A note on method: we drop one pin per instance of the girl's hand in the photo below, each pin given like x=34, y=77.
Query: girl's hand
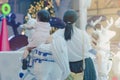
x=27, y=51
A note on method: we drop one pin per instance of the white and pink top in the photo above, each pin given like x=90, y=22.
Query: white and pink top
x=40, y=34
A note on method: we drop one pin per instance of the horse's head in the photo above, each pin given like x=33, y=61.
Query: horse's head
x=30, y=22
x=104, y=33
x=28, y=26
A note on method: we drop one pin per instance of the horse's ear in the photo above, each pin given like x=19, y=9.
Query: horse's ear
x=109, y=23
x=96, y=21
x=102, y=28
x=91, y=23
x=29, y=16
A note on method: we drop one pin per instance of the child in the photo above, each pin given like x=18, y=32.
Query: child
x=47, y=53
x=41, y=31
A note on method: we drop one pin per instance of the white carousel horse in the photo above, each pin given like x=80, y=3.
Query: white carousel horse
x=104, y=44
x=105, y=35
x=50, y=61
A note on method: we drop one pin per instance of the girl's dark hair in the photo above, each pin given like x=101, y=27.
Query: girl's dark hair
x=43, y=15
x=69, y=18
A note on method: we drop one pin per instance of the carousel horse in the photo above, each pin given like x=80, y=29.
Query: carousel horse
x=103, y=44
x=105, y=35
x=46, y=59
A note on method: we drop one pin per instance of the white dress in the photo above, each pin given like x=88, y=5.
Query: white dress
x=78, y=48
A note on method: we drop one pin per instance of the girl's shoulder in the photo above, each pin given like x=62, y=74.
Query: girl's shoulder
x=79, y=31
x=59, y=32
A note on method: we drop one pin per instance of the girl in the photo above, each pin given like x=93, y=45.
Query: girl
x=41, y=31
x=78, y=46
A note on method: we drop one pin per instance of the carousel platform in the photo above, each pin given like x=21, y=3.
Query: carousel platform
x=10, y=64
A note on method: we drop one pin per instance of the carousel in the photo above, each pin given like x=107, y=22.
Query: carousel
x=101, y=15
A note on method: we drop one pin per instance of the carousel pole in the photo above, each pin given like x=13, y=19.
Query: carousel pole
x=83, y=5
x=4, y=43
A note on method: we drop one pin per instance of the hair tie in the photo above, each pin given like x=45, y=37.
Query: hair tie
x=69, y=22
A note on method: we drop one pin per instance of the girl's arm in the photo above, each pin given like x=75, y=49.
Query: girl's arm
x=27, y=51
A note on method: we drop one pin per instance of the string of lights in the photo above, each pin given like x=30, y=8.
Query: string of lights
x=42, y=4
